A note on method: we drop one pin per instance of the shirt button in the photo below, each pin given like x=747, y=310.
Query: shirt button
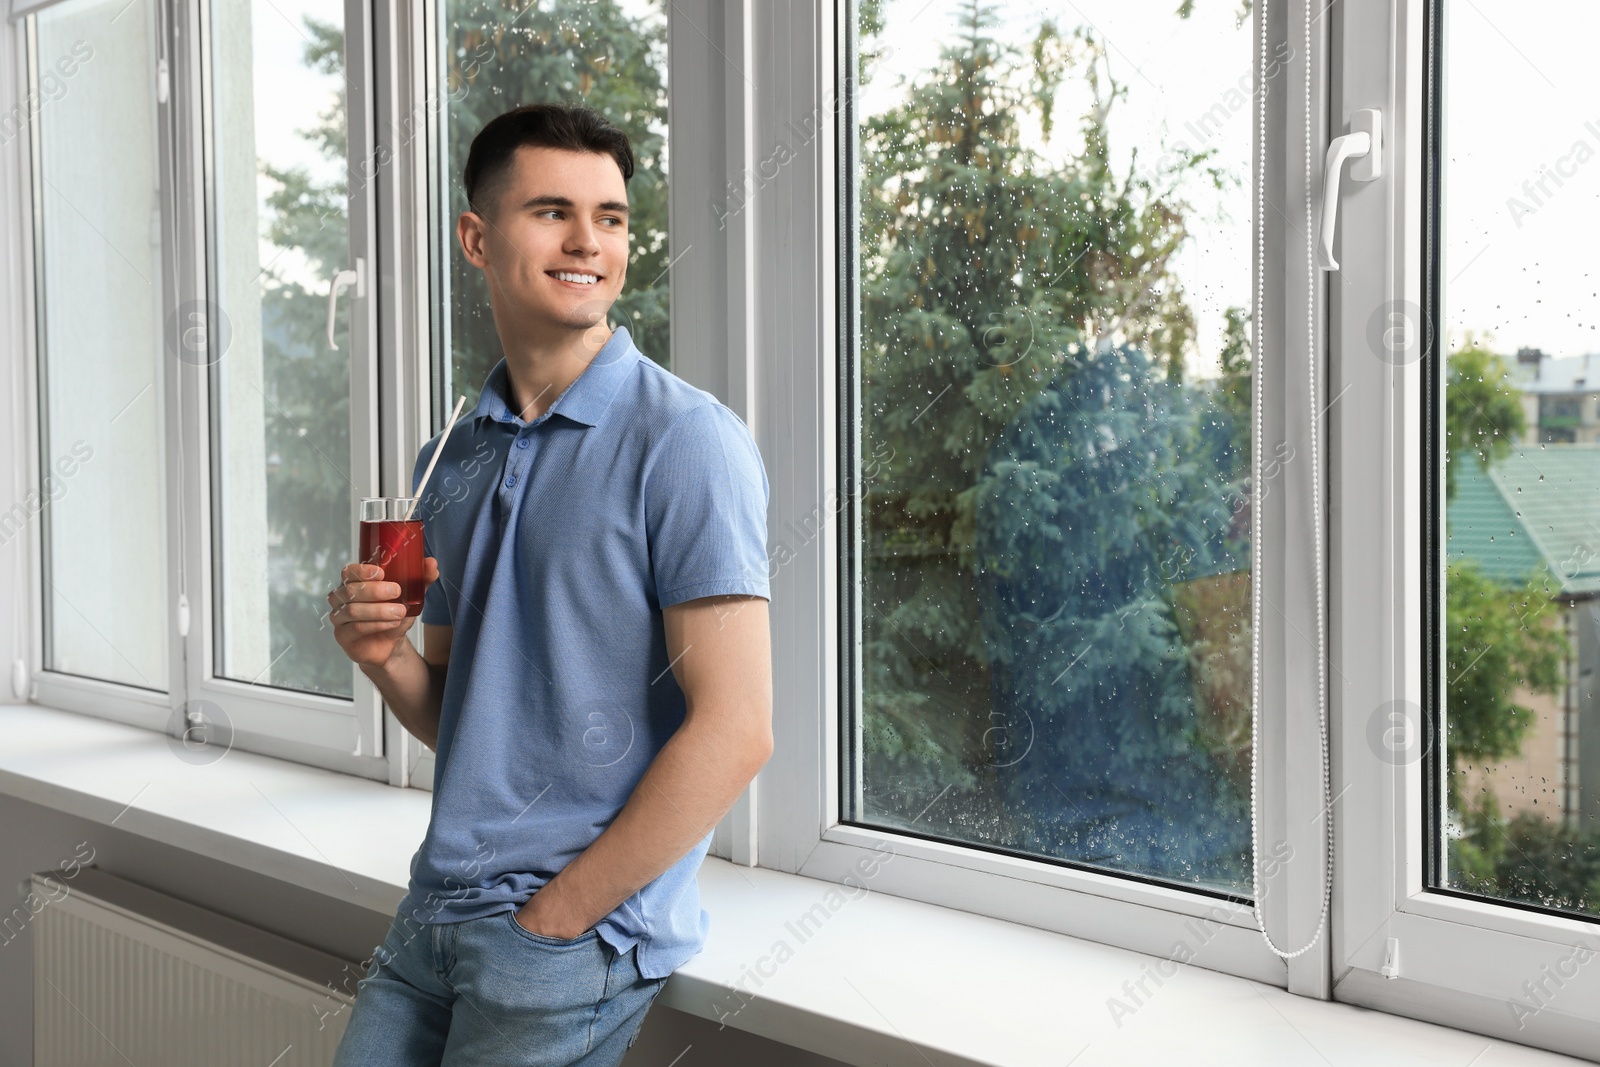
x=511, y=480
x=522, y=442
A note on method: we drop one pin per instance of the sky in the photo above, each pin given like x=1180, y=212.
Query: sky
x=1522, y=102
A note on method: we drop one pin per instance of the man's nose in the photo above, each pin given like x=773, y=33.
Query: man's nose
x=582, y=238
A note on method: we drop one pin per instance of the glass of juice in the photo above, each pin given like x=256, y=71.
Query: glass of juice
x=393, y=542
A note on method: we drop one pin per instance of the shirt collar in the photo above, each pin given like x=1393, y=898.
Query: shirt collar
x=585, y=400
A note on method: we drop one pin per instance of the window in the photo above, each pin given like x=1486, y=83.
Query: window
x=202, y=428
x=282, y=401
x=102, y=477
x=1460, y=470
x=1051, y=527
x=240, y=283
x=960, y=262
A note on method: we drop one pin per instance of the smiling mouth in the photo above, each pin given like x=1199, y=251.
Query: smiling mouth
x=574, y=277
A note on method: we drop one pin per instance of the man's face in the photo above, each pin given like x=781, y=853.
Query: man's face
x=554, y=245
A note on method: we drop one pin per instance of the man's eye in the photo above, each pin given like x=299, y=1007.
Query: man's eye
x=550, y=211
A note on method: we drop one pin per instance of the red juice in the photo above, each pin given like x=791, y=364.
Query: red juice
x=397, y=548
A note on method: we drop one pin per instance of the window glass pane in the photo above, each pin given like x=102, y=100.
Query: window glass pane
x=100, y=311
x=610, y=55
x=1515, y=301
x=1053, y=367
x=280, y=455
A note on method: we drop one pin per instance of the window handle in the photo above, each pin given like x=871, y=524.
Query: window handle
x=1364, y=144
x=358, y=278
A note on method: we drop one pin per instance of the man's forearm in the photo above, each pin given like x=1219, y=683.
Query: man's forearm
x=414, y=690
x=684, y=793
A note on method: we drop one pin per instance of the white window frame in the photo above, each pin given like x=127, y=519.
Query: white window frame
x=794, y=55
x=1460, y=961
x=409, y=101
x=130, y=704
x=343, y=735
x=355, y=736
x=710, y=92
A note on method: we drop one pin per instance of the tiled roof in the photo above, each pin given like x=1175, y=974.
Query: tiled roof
x=1538, y=504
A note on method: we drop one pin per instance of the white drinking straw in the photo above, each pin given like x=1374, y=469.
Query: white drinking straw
x=417, y=496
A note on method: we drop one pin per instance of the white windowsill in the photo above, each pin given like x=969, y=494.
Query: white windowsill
x=874, y=979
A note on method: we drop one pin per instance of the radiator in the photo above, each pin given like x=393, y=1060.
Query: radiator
x=123, y=974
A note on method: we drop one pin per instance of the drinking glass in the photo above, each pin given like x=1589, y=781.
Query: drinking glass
x=393, y=542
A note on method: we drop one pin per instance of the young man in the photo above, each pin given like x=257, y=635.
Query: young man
x=596, y=673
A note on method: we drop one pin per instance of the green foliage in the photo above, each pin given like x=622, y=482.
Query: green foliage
x=990, y=276
x=501, y=54
x=1476, y=854
x=1496, y=641
x=1103, y=504
x=869, y=23
x=1530, y=859
x=1235, y=383
x=1186, y=9
x=1482, y=410
x=983, y=263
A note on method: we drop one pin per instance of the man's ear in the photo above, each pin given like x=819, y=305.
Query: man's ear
x=471, y=229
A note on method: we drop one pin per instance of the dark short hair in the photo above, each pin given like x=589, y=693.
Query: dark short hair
x=574, y=128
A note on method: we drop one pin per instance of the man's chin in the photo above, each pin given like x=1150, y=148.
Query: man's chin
x=585, y=316
x=579, y=317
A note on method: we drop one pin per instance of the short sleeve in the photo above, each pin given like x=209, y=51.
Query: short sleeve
x=705, y=498
x=435, y=607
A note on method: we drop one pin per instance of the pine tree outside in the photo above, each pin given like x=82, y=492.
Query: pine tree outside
x=1055, y=585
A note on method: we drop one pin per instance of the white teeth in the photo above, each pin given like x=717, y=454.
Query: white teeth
x=581, y=279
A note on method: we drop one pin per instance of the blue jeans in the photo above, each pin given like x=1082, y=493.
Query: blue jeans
x=486, y=991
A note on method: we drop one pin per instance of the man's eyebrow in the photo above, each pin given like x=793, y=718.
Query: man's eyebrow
x=552, y=200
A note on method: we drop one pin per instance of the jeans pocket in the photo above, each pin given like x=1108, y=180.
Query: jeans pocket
x=543, y=939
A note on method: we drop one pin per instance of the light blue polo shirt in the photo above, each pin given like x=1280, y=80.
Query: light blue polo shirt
x=559, y=541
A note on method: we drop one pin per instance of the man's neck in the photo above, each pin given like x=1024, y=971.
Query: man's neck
x=539, y=369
